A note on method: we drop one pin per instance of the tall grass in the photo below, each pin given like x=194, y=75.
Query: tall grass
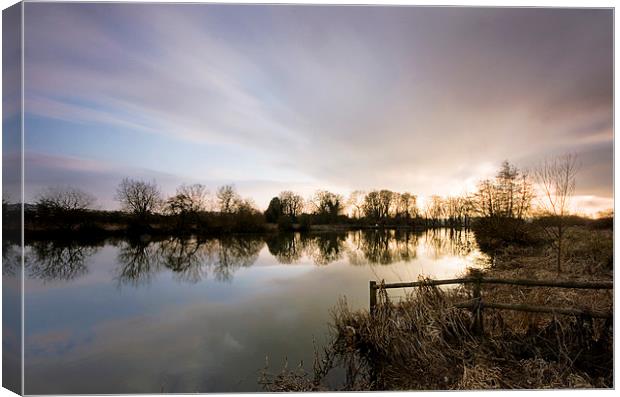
x=424, y=343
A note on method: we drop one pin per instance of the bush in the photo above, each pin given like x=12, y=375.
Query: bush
x=304, y=222
x=602, y=223
x=493, y=233
x=285, y=223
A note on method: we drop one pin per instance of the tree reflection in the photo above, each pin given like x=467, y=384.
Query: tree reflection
x=452, y=242
x=58, y=260
x=363, y=247
x=235, y=253
x=11, y=258
x=193, y=259
x=287, y=248
x=406, y=245
x=189, y=259
x=326, y=248
x=386, y=247
x=462, y=242
x=322, y=249
x=138, y=262
x=383, y=247
x=376, y=247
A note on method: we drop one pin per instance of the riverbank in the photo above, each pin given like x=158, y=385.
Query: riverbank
x=101, y=230
x=424, y=343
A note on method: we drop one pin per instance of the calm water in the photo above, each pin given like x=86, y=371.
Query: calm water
x=202, y=315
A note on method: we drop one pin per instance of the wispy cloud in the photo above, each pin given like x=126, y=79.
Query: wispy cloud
x=102, y=178
x=419, y=99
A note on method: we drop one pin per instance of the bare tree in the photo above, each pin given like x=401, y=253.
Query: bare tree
x=246, y=206
x=526, y=194
x=189, y=199
x=556, y=178
x=386, y=198
x=485, y=200
x=65, y=198
x=327, y=205
x=197, y=193
x=227, y=198
x=406, y=205
x=372, y=205
x=377, y=204
x=435, y=210
x=139, y=197
x=292, y=204
x=453, y=210
x=469, y=209
x=356, y=203
x=506, y=189
x=507, y=196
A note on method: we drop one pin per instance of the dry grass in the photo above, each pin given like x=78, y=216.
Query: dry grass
x=588, y=256
x=424, y=343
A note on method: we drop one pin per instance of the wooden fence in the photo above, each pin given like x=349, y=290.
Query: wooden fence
x=476, y=304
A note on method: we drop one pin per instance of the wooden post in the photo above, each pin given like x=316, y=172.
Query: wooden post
x=478, y=325
x=373, y=296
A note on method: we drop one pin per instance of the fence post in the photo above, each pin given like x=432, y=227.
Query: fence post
x=478, y=324
x=373, y=296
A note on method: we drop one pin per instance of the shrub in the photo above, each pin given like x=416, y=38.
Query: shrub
x=493, y=233
x=304, y=222
x=285, y=223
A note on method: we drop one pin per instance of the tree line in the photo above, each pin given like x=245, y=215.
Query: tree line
x=509, y=195
x=501, y=206
x=191, y=259
x=510, y=207
x=143, y=199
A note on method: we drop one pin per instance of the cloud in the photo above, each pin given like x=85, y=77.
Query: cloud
x=102, y=178
x=97, y=177
x=590, y=205
x=418, y=99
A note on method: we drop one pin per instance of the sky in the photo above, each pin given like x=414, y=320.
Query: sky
x=271, y=98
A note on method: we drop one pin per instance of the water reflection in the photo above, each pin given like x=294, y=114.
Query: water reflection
x=58, y=260
x=235, y=253
x=137, y=261
x=213, y=309
x=190, y=259
x=359, y=247
x=326, y=248
x=11, y=258
x=286, y=248
x=449, y=242
x=383, y=248
x=194, y=259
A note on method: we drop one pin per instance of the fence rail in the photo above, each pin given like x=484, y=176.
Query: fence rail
x=476, y=305
x=483, y=280
x=568, y=311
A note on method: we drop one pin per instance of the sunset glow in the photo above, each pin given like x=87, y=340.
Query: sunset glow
x=425, y=100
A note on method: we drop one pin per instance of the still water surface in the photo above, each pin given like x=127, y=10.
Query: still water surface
x=188, y=315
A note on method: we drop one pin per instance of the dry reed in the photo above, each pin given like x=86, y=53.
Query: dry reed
x=424, y=343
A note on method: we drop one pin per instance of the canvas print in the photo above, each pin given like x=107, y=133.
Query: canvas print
x=214, y=198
